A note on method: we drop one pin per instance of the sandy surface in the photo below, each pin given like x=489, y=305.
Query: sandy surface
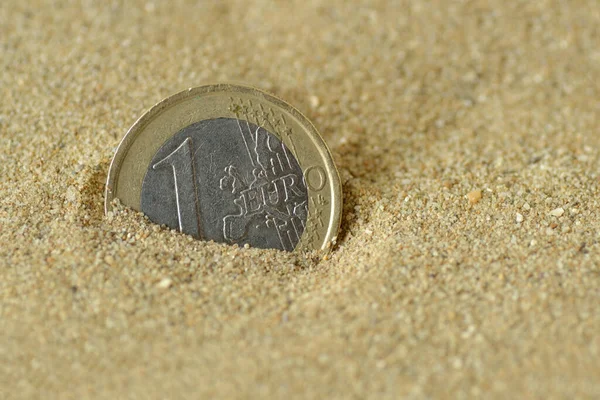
x=434, y=290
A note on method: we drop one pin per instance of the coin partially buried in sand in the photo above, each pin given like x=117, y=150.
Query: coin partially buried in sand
x=231, y=164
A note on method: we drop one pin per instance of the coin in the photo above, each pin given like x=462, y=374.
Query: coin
x=230, y=163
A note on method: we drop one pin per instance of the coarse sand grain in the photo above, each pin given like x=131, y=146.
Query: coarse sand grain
x=424, y=295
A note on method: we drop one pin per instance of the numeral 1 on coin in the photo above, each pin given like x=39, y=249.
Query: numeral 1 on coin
x=182, y=163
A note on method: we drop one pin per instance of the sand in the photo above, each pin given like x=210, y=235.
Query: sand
x=431, y=292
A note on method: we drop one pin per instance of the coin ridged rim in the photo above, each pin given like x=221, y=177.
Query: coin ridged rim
x=138, y=127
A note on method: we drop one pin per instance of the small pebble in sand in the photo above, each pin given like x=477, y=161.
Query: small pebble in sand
x=557, y=212
x=519, y=218
x=314, y=101
x=474, y=196
x=165, y=283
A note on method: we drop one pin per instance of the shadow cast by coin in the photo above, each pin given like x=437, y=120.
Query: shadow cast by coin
x=84, y=197
x=359, y=170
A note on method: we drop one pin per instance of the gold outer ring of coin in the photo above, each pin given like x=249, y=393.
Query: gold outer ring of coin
x=161, y=122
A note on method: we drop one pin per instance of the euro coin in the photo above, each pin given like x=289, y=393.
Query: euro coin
x=232, y=164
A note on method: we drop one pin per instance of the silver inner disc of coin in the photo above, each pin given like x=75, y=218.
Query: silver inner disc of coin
x=227, y=180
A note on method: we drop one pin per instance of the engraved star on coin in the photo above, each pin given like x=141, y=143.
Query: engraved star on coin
x=231, y=164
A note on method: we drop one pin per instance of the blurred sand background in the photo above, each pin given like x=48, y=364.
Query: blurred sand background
x=429, y=293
